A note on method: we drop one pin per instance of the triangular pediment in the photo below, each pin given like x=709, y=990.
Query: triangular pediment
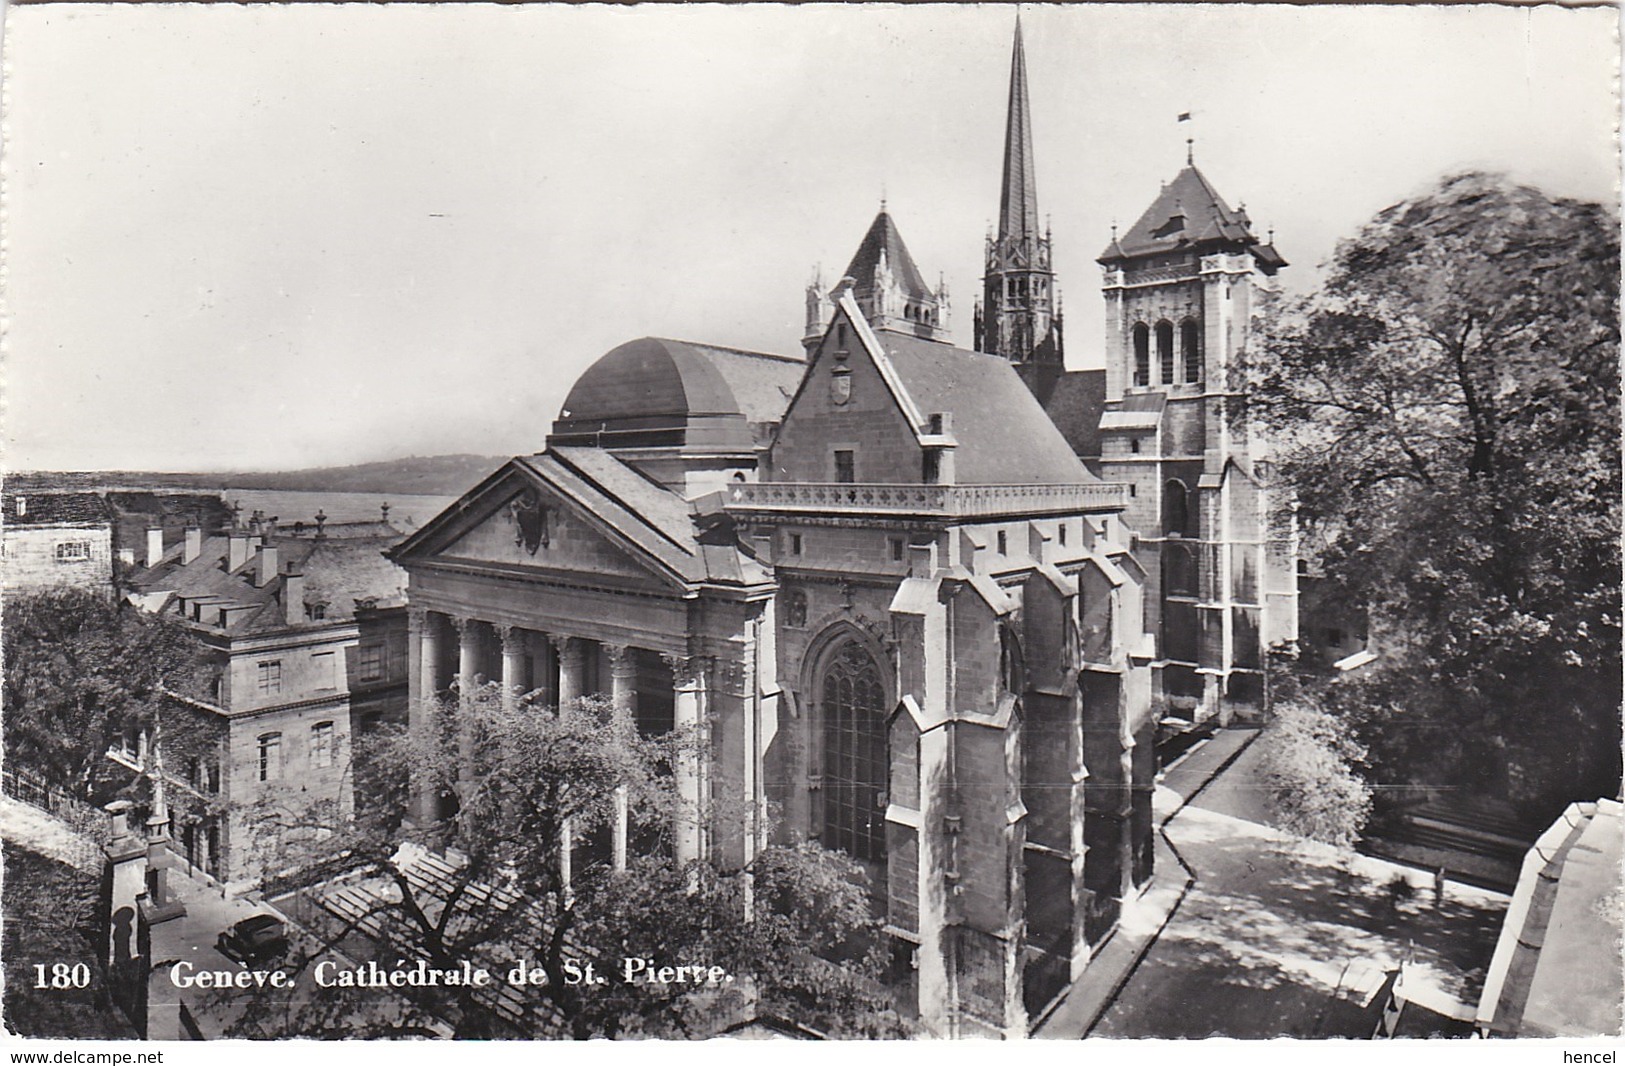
x=518, y=519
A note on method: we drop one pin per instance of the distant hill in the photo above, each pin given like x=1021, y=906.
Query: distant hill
x=428, y=475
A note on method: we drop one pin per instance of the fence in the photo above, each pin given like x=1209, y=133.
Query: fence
x=30, y=788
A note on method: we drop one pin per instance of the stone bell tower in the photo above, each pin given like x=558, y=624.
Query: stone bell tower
x=1220, y=551
x=1019, y=314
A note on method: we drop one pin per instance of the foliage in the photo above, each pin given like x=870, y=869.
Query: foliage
x=48, y=909
x=1310, y=760
x=1447, y=412
x=512, y=778
x=81, y=670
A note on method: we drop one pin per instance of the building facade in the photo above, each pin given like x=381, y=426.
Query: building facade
x=1165, y=417
x=1219, y=548
x=56, y=540
x=926, y=603
x=302, y=644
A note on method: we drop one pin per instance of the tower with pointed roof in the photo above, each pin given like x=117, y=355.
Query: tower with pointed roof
x=888, y=288
x=1019, y=316
x=1181, y=286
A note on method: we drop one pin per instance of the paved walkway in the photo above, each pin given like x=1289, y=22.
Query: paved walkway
x=1279, y=936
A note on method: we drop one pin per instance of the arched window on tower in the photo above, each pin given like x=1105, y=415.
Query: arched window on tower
x=852, y=702
x=1175, y=509
x=1165, y=351
x=1190, y=345
x=1142, y=354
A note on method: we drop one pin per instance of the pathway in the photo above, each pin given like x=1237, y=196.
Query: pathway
x=1279, y=936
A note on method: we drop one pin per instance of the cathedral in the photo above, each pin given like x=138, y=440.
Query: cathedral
x=932, y=606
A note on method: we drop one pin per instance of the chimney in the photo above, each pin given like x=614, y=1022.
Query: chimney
x=155, y=546
x=237, y=555
x=939, y=452
x=22, y=506
x=293, y=595
x=264, y=565
x=194, y=545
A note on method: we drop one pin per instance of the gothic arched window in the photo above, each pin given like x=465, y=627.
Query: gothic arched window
x=852, y=701
x=1175, y=509
x=1165, y=351
x=1142, y=354
x=1178, y=571
x=1190, y=345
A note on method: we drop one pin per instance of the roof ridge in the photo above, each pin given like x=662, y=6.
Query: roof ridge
x=625, y=504
x=731, y=350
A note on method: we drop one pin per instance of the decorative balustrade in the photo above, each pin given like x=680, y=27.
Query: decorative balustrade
x=957, y=501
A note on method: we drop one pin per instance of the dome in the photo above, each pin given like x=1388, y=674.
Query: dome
x=658, y=393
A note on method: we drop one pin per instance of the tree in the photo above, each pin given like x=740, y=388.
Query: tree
x=793, y=928
x=1447, y=412
x=1311, y=760
x=81, y=670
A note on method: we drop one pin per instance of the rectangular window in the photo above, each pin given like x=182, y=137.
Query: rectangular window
x=270, y=677
x=321, y=745
x=845, y=468
x=1004, y=544
x=371, y=665
x=73, y=551
x=795, y=544
x=323, y=670
x=270, y=757
x=1061, y=532
x=897, y=549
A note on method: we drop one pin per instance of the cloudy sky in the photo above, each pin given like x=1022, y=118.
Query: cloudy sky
x=260, y=237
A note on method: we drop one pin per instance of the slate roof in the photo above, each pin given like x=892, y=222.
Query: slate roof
x=762, y=384
x=1074, y=404
x=657, y=522
x=55, y=508
x=1004, y=437
x=1189, y=212
x=883, y=237
x=655, y=391
x=337, y=572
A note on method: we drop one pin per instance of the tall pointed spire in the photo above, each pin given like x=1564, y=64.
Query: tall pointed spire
x=1018, y=203
x=1018, y=317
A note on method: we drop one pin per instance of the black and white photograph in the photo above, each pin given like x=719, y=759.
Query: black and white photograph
x=886, y=522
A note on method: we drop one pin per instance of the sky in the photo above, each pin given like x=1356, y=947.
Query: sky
x=271, y=237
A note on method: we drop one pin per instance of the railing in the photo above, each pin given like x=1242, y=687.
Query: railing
x=35, y=791
x=959, y=501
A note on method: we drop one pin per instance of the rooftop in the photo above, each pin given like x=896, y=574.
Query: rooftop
x=1189, y=213
x=54, y=508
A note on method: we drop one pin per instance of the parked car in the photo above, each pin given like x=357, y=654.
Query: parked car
x=256, y=939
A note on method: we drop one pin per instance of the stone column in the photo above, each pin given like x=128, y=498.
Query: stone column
x=513, y=664
x=688, y=684
x=623, y=666
x=423, y=629
x=467, y=667
x=572, y=660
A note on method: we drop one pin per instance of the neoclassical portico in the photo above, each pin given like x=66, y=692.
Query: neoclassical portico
x=544, y=581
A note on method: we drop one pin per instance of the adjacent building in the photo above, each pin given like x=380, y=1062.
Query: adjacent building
x=55, y=540
x=302, y=636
